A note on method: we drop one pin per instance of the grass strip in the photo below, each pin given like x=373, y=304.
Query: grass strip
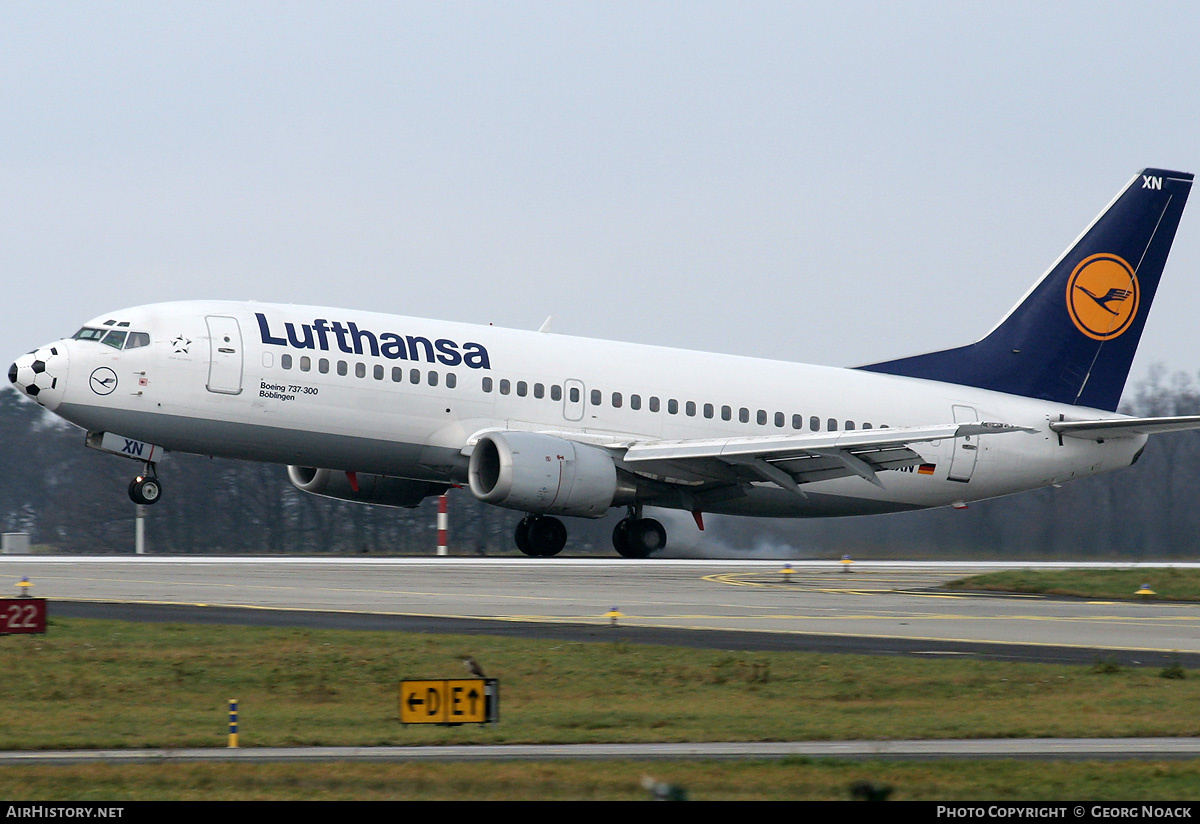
x=109, y=684
x=1168, y=584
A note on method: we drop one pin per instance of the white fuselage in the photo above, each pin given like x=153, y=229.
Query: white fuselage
x=403, y=397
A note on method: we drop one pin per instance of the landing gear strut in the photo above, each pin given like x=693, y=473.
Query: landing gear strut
x=637, y=537
x=145, y=488
x=541, y=536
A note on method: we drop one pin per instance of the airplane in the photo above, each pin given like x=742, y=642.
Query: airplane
x=383, y=409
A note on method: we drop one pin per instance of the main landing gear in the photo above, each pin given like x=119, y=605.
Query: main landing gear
x=145, y=488
x=637, y=537
x=544, y=536
x=541, y=536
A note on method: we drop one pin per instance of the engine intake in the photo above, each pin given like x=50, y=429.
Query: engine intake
x=544, y=475
x=372, y=489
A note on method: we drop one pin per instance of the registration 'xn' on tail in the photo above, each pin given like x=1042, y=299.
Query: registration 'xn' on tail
x=1073, y=336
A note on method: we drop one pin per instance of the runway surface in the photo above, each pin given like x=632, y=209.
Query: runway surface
x=888, y=607
x=875, y=607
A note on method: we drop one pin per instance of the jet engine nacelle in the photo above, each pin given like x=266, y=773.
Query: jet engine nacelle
x=372, y=489
x=544, y=475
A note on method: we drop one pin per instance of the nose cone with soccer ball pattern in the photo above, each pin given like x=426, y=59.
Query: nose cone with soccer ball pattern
x=42, y=374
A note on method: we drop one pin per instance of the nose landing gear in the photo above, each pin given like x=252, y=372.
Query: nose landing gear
x=145, y=488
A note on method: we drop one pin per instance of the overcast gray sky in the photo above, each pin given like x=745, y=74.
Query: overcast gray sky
x=834, y=183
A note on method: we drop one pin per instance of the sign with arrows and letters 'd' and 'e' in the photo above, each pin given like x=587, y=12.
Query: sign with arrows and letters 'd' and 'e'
x=452, y=701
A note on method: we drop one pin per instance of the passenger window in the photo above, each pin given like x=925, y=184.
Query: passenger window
x=487, y=384
x=849, y=425
x=414, y=377
x=305, y=363
x=323, y=366
x=867, y=426
x=673, y=406
x=378, y=372
x=596, y=398
x=505, y=386
x=433, y=378
x=833, y=424
x=708, y=410
x=397, y=374
x=360, y=370
x=814, y=423
x=136, y=340
x=522, y=389
x=342, y=368
x=285, y=361
x=761, y=417
x=690, y=409
x=539, y=391
x=635, y=401
x=654, y=403
x=555, y=392
x=797, y=422
x=616, y=400
x=726, y=413
x=451, y=380
x=574, y=394
x=744, y=415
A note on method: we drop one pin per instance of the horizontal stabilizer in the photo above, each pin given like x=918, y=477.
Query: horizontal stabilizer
x=1124, y=427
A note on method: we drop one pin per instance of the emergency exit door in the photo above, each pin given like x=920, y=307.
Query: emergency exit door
x=966, y=449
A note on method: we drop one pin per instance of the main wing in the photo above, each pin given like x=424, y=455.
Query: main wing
x=792, y=460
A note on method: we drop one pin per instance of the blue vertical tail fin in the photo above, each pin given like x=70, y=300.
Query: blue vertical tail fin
x=1072, y=338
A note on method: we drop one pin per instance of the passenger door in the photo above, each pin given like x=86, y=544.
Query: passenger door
x=225, y=355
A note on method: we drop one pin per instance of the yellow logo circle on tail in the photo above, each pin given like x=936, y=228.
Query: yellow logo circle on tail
x=1102, y=296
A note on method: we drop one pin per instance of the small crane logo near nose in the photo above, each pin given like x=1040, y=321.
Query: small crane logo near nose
x=103, y=381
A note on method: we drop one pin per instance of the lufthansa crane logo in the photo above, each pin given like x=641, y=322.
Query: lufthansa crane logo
x=1103, y=296
x=103, y=381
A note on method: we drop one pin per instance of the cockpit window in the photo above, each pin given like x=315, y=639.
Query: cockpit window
x=114, y=339
x=117, y=339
